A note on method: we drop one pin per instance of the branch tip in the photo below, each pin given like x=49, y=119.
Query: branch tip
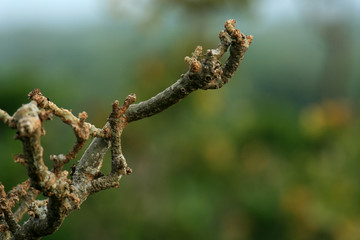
x=194, y=63
x=115, y=105
x=34, y=93
x=250, y=38
x=230, y=25
x=130, y=99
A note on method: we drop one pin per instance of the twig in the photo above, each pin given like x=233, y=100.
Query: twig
x=25, y=203
x=67, y=117
x=82, y=129
x=17, y=193
x=204, y=73
x=28, y=123
x=103, y=183
x=118, y=162
x=117, y=124
x=64, y=194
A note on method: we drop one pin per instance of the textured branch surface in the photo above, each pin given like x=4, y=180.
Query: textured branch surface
x=66, y=192
x=5, y=117
x=205, y=72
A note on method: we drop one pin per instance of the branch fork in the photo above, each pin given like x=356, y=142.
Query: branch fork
x=117, y=121
x=66, y=192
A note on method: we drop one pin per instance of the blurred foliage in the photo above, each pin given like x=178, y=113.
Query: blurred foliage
x=272, y=155
x=195, y=6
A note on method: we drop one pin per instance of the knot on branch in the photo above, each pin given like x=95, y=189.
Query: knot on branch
x=37, y=209
x=128, y=171
x=204, y=69
x=37, y=96
x=72, y=196
x=81, y=129
x=26, y=120
x=105, y=132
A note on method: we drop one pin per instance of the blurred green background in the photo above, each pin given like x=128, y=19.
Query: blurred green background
x=272, y=155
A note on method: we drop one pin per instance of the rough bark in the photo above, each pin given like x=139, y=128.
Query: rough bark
x=66, y=192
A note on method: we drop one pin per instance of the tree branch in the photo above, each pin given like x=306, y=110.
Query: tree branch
x=8, y=220
x=25, y=203
x=5, y=209
x=67, y=117
x=117, y=124
x=205, y=72
x=28, y=123
x=82, y=129
x=67, y=194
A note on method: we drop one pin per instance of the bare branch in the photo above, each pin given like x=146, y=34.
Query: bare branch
x=67, y=194
x=82, y=129
x=199, y=76
x=117, y=124
x=47, y=218
x=7, y=202
x=66, y=116
x=18, y=192
x=118, y=162
x=205, y=72
x=103, y=183
x=239, y=46
x=28, y=123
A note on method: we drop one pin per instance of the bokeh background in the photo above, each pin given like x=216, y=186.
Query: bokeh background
x=272, y=155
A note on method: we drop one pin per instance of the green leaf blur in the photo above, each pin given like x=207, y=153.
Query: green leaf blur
x=272, y=155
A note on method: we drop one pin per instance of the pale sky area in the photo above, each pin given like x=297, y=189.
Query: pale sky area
x=15, y=13
x=45, y=12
